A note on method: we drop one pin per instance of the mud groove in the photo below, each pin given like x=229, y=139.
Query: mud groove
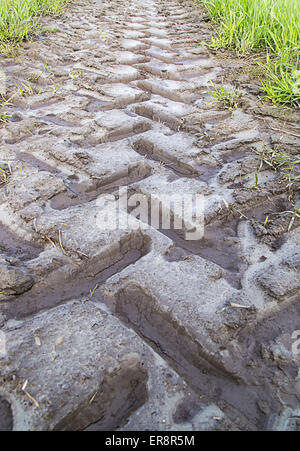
x=6, y=417
x=78, y=281
x=13, y=246
x=79, y=194
x=196, y=364
x=144, y=148
x=133, y=303
x=120, y=98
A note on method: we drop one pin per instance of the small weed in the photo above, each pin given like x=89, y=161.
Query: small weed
x=92, y=292
x=76, y=74
x=267, y=222
x=4, y=175
x=55, y=87
x=24, y=90
x=34, y=131
x=34, y=77
x=293, y=214
x=47, y=69
x=280, y=161
x=228, y=98
x=49, y=30
x=9, y=50
x=5, y=116
x=103, y=34
x=255, y=185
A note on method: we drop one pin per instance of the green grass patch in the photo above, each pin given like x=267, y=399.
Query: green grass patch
x=19, y=19
x=272, y=26
x=49, y=30
x=228, y=98
x=3, y=177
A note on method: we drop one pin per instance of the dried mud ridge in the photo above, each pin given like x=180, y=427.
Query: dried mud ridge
x=140, y=329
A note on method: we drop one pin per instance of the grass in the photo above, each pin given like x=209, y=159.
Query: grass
x=278, y=160
x=49, y=30
x=268, y=26
x=4, y=175
x=19, y=19
x=23, y=90
x=4, y=114
x=293, y=215
x=228, y=98
x=288, y=169
x=75, y=74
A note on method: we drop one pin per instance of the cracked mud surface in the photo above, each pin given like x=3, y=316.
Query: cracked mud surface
x=140, y=329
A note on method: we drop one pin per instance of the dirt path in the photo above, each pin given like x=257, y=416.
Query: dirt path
x=139, y=328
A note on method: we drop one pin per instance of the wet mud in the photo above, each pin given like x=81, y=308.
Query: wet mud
x=120, y=98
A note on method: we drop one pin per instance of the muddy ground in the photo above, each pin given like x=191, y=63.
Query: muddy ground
x=138, y=328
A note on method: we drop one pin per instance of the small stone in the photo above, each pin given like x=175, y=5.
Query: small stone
x=14, y=280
